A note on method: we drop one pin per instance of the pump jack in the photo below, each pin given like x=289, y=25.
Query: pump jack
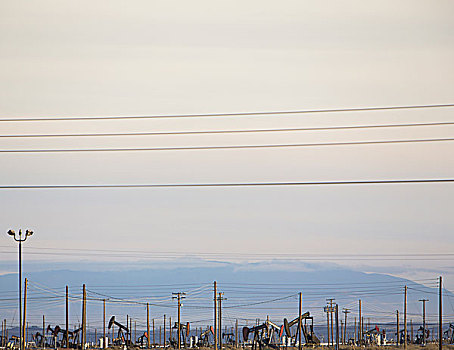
x=263, y=334
x=204, y=340
x=184, y=332
x=142, y=340
x=122, y=335
x=309, y=335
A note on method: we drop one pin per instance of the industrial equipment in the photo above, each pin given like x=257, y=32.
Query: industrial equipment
x=122, y=335
x=307, y=330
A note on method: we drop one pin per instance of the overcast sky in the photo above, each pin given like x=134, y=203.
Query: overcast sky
x=85, y=58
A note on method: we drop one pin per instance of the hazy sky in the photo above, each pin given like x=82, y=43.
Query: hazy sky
x=65, y=58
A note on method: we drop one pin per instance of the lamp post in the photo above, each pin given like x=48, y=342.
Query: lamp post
x=20, y=240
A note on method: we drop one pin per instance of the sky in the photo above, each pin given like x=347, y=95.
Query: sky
x=117, y=58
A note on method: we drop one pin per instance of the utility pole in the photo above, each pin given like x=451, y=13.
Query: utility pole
x=44, y=332
x=220, y=299
x=405, y=317
x=215, y=318
x=424, y=320
x=104, y=323
x=330, y=309
x=236, y=333
x=148, y=326
x=154, y=339
x=327, y=324
x=300, y=321
x=84, y=317
x=67, y=318
x=397, y=327
x=345, y=311
x=165, y=331
x=179, y=296
x=360, y=335
x=170, y=329
x=25, y=314
x=440, y=314
x=337, y=327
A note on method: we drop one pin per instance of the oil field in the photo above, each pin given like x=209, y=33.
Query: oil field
x=227, y=174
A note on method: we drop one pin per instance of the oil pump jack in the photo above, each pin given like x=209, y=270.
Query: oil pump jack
x=122, y=335
x=309, y=335
x=142, y=340
x=184, y=333
x=204, y=340
x=54, y=332
x=263, y=334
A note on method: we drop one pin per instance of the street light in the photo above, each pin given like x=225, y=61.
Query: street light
x=20, y=240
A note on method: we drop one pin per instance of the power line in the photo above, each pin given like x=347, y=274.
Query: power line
x=201, y=148
x=232, y=184
x=236, y=114
x=209, y=132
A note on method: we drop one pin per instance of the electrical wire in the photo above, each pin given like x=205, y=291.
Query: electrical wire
x=235, y=114
x=209, y=132
x=237, y=184
x=202, y=148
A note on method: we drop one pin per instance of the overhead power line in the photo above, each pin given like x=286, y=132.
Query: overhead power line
x=200, y=148
x=235, y=114
x=242, y=131
x=238, y=184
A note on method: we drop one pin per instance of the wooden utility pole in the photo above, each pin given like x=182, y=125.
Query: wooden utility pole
x=440, y=314
x=160, y=342
x=154, y=339
x=337, y=327
x=25, y=315
x=84, y=316
x=215, y=317
x=327, y=324
x=405, y=317
x=104, y=324
x=164, y=331
x=44, y=332
x=345, y=311
x=236, y=333
x=179, y=296
x=300, y=320
x=397, y=327
x=148, y=326
x=220, y=299
x=170, y=329
x=360, y=335
x=424, y=320
x=67, y=317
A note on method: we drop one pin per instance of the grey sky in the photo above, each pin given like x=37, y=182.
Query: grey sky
x=163, y=57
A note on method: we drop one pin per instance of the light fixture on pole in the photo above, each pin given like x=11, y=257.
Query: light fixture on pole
x=20, y=240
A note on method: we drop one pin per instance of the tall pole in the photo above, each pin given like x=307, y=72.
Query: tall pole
x=44, y=333
x=178, y=296
x=360, y=336
x=104, y=324
x=330, y=312
x=337, y=327
x=20, y=291
x=148, y=326
x=405, y=317
x=164, y=331
x=67, y=317
x=440, y=314
x=84, y=317
x=25, y=314
x=397, y=327
x=236, y=333
x=345, y=311
x=215, y=318
x=154, y=340
x=221, y=297
x=300, y=320
x=423, y=320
